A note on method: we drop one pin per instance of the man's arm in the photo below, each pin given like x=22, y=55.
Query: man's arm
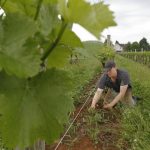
x=121, y=94
x=96, y=97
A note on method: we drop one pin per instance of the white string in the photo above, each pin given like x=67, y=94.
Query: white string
x=73, y=120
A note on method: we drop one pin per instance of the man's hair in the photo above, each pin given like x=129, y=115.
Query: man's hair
x=109, y=64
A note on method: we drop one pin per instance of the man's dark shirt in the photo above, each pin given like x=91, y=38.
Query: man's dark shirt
x=122, y=79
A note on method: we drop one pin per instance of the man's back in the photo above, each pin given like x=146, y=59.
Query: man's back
x=121, y=79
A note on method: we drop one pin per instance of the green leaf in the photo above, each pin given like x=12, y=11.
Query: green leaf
x=26, y=7
x=94, y=18
x=48, y=19
x=59, y=57
x=70, y=39
x=17, y=56
x=50, y=1
x=34, y=109
x=90, y=49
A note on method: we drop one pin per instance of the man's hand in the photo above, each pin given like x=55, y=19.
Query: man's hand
x=108, y=106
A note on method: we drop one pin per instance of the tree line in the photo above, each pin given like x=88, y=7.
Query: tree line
x=142, y=45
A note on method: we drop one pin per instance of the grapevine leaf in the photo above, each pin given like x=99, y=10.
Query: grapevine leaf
x=94, y=17
x=71, y=39
x=59, y=57
x=37, y=111
x=26, y=7
x=48, y=19
x=16, y=55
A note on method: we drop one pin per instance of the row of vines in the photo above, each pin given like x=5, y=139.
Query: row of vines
x=141, y=57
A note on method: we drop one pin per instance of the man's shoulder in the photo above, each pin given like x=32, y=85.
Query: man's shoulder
x=103, y=81
x=104, y=76
x=122, y=72
x=123, y=75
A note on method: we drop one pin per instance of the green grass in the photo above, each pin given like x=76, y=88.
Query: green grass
x=137, y=71
x=136, y=121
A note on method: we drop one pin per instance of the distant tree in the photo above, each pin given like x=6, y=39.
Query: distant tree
x=135, y=46
x=127, y=47
x=144, y=44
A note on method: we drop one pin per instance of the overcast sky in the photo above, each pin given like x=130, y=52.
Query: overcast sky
x=132, y=17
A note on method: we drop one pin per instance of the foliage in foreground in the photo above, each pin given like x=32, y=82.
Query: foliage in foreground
x=35, y=36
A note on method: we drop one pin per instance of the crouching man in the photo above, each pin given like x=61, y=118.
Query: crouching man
x=117, y=82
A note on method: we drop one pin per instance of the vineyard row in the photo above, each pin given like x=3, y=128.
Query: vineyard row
x=141, y=57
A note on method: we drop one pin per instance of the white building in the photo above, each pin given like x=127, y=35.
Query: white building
x=118, y=47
